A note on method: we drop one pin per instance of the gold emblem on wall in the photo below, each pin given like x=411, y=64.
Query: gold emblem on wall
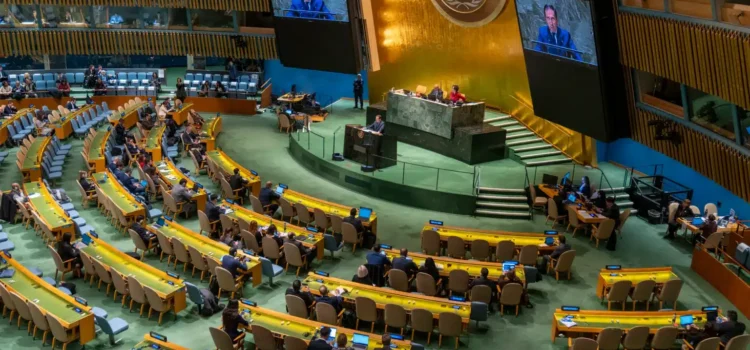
x=470, y=13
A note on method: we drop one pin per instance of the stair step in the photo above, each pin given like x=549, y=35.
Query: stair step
x=539, y=155
x=620, y=195
x=506, y=123
x=618, y=189
x=624, y=204
x=532, y=148
x=507, y=198
x=496, y=205
x=523, y=142
x=518, y=135
x=501, y=190
x=503, y=213
x=515, y=128
x=497, y=119
x=548, y=162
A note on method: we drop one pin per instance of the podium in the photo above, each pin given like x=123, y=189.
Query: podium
x=367, y=148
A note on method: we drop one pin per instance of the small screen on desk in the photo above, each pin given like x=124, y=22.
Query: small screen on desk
x=436, y=222
x=385, y=246
x=82, y=301
x=572, y=198
x=571, y=308
x=613, y=267
x=686, y=320
x=455, y=298
x=550, y=232
x=158, y=336
x=279, y=190
x=365, y=213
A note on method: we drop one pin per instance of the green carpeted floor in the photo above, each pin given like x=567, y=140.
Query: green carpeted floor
x=254, y=141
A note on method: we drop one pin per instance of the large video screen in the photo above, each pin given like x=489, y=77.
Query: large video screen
x=326, y=10
x=562, y=28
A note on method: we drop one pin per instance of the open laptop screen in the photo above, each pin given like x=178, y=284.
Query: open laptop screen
x=365, y=213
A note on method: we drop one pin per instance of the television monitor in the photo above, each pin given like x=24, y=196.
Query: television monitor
x=322, y=10
x=548, y=179
x=365, y=213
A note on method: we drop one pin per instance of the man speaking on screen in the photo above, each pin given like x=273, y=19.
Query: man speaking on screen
x=555, y=40
x=310, y=9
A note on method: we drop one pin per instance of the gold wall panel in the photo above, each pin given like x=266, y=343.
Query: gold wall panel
x=239, y=5
x=710, y=59
x=418, y=46
x=73, y=42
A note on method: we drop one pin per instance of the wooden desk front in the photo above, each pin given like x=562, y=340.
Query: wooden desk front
x=493, y=237
x=382, y=296
x=312, y=239
x=209, y=248
x=149, y=342
x=42, y=202
x=283, y=325
x=180, y=116
x=329, y=208
x=723, y=279
x=226, y=165
x=167, y=287
x=445, y=265
x=210, y=132
x=153, y=142
x=98, y=144
x=74, y=316
x=63, y=129
x=636, y=275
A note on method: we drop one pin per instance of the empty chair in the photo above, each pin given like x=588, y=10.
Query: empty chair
x=618, y=293
x=205, y=224
x=59, y=333
x=227, y=282
x=430, y=242
x=573, y=221
x=303, y=214
x=708, y=344
x=563, y=264
x=664, y=338
x=609, y=339
x=553, y=214
x=264, y=339
x=196, y=259
x=511, y=296
x=294, y=257
x=398, y=280
x=103, y=275
x=366, y=311
x=223, y=341
x=394, y=316
x=271, y=249
x=422, y=321
x=350, y=235
x=40, y=322
x=294, y=343
x=536, y=201
x=326, y=313
x=180, y=253
x=528, y=255
x=449, y=324
x=669, y=293
x=23, y=311
x=330, y=244
x=137, y=294
x=480, y=250
x=121, y=285
x=111, y=327
x=623, y=218
x=740, y=342
x=258, y=207
x=321, y=219
x=505, y=251
x=426, y=284
x=456, y=248
x=584, y=343
x=270, y=270
x=158, y=304
x=458, y=281
x=7, y=302
x=636, y=338
x=642, y=292
x=603, y=231
x=710, y=208
x=287, y=212
x=296, y=306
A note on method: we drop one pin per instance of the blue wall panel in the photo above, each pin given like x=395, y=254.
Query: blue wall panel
x=328, y=86
x=633, y=154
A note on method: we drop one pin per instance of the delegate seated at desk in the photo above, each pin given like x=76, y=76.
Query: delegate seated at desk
x=296, y=290
x=378, y=127
x=455, y=96
x=310, y=9
x=232, y=264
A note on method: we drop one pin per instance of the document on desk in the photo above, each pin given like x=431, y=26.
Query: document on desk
x=34, y=195
x=568, y=324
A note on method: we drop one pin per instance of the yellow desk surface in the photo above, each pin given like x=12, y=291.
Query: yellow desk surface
x=288, y=97
x=688, y=223
x=208, y=247
x=153, y=142
x=180, y=116
x=51, y=300
x=171, y=175
x=282, y=325
x=149, y=341
x=32, y=164
x=211, y=130
x=493, y=237
x=446, y=265
x=383, y=296
x=227, y=165
x=659, y=274
x=119, y=195
x=48, y=209
x=329, y=208
x=4, y=127
x=282, y=227
x=593, y=322
x=130, y=114
x=146, y=274
x=96, y=150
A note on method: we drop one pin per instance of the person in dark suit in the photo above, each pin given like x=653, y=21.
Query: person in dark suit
x=708, y=228
x=430, y=268
x=729, y=328
x=231, y=319
x=68, y=251
x=558, y=39
x=232, y=264
x=510, y=277
x=599, y=199
x=146, y=236
x=213, y=209
x=436, y=93
x=71, y=105
x=321, y=342
x=375, y=257
x=386, y=341
x=585, y=188
x=683, y=211
x=354, y=220
x=296, y=289
x=362, y=276
x=271, y=232
x=83, y=179
x=378, y=126
x=405, y=264
x=334, y=301
x=268, y=195
x=305, y=252
x=237, y=182
x=10, y=109
x=561, y=248
x=359, y=89
x=309, y=9
x=484, y=280
x=612, y=211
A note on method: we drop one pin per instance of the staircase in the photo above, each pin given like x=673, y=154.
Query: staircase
x=502, y=203
x=525, y=147
x=622, y=199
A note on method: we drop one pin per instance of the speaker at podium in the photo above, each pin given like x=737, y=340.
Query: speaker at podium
x=367, y=148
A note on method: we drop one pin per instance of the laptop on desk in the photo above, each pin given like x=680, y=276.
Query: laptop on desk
x=360, y=341
x=365, y=213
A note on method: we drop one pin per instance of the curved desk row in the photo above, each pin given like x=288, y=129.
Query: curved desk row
x=226, y=166
x=94, y=153
x=31, y=165
x=493, y=237
x=118, y=195
x=210, y=132
x=607, y=278
x=329, y=208
x=151, y=342
x=128, y=112
x=4, y=133
x=47, y=208
x=171, y=175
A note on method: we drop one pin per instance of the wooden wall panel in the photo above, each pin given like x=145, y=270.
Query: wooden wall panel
x=238, y=5
x=713, y=60
x=62, y=42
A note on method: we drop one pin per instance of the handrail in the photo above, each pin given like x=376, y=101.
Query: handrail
x=477, y=179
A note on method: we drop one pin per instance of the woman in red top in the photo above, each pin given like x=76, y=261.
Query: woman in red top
x=64, y=87
x=455, y=95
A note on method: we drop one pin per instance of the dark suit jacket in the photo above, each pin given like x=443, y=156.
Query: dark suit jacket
x=306, y=296
x=585, y=190
x=233, y=265
x=728, y=330
x=613, y=213
x=405, y=265
x=67, y=251
x=562, y=248
x=435, y=274
x=319, y=344
x=298, y=244
x=366, y=280
x=213, y=211
x=484, y=282
x=232, y=323
x=356, y=222
x=561, y=38
x=267, y=195
x=71, y=106
x=334, y=301
x=374, y=258
x=237, y=182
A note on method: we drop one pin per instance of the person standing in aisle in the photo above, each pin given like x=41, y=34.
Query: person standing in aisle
x=359, y=88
